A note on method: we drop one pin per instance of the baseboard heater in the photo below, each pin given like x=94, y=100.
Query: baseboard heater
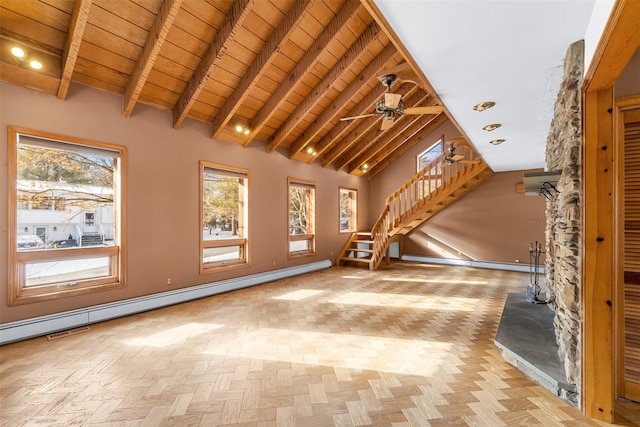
x=43, y=325
x=491, y=265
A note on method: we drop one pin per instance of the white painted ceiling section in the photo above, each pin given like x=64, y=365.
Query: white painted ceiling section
x=507, y=51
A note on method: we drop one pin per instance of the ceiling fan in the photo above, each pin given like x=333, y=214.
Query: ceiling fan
x=391, y=105
x=451, y=157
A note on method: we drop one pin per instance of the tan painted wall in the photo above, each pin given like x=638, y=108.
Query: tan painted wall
x=163, y=200
x=490, y=223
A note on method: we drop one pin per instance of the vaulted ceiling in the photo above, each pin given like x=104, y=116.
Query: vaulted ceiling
x=285, y=71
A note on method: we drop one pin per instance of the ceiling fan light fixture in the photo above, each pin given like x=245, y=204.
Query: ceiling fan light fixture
x=497, y=141
x=483, y=105
x=491, y=127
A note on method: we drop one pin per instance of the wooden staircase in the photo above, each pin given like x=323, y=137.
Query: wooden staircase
x=432, y=189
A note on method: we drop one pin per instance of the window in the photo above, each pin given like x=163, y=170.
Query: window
x=302, y=199
x=224, y=210
x=57, y=181
x=348, y=210
x=429, y=155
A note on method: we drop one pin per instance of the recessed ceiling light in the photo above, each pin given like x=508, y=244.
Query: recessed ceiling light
x=492, y=126
x=364, y=167
x=497, y=141
x=36, y=65
x=484, y=105
x=241, y=129
x=17, y=52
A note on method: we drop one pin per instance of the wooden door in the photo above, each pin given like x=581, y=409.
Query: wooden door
x=630, y=260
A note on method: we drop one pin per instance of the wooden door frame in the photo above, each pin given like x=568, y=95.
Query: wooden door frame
x=619, y=42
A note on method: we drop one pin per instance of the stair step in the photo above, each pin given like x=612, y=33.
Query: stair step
x=369, y=242
x=369, y=251
x=363, y=260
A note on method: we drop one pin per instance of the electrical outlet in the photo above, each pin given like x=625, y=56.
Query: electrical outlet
x=274, y=262
x=168, y=280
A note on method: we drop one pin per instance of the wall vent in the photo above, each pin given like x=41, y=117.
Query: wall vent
x=61, y=334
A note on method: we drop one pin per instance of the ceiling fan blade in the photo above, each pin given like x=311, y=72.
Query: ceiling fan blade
x=356, y=117
x=386, y=123
x=391, y=100
x=457, y=157
x=470, y=161
x=429, y=109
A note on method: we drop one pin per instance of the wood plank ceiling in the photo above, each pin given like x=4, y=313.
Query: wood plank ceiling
x=286, y=70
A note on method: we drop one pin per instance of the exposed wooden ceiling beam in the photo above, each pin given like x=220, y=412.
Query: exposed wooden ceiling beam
x=382, y=160
x=370, y=72
x=232, y=21
x=266, y=56
x=302, y=68
x=402, y=133
x=354, y=53
x=77, y=25
x=155, y=39
x=363, y=128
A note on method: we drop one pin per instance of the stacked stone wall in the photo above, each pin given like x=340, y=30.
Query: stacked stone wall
x=563, y=216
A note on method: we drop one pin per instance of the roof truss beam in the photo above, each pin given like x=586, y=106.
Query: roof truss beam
x=266, y=56
x=399, y=147
x=78, y=23
x=353, y=54
x=232, y=22
x=155, y=39
x=302, y=68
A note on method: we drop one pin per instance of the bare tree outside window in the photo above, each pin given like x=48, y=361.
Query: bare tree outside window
x=301, y=217
x=224, y=213
x=65, y=215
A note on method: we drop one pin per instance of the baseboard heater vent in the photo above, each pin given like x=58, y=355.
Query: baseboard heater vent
x=66, y=333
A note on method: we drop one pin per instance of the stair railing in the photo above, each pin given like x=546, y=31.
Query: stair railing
x=411, y=195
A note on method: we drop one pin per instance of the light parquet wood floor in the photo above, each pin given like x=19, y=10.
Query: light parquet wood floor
x=408, y=345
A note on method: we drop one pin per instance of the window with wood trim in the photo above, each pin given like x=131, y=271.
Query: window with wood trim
x=348, y=210
x=56, y=183
x=302, y=200
x=425, y=158
x=224, y=211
